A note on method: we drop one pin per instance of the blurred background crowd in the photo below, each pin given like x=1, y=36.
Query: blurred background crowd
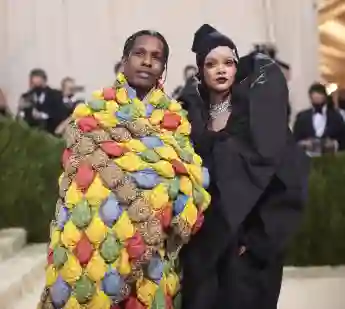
x=304, y=38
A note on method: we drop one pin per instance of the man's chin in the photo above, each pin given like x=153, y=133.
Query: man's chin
x=142, y=84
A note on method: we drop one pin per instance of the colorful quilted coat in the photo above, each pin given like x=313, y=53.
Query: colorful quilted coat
x=131, y=194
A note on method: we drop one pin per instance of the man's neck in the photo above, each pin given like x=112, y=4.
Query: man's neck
x=141, y=94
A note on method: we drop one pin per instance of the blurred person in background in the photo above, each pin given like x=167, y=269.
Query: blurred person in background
x=189, y=73
x=70, y=93
x=320, y=128
x=70, y=100
x=4, y=109
x=340, y=102
x=41, y=106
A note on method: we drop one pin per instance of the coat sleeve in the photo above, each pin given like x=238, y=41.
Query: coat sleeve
x=269, y=99
x=201, y=137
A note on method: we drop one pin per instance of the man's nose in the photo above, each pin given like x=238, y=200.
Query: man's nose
x=147, y=60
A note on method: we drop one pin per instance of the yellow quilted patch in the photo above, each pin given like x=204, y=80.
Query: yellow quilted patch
x=124, y=228
x=190, y=212
x=51, y=275
x=71, y=270
x=72, y=303
x=97, y=192
x=159, y=196
x=96, y=231
x=73, y=196
x=146, y=290
x=96, y=268
x=81, y=111
x=130, y=162
x=70, y=235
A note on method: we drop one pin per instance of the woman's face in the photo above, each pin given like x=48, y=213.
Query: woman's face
x=220, y=69
x=145, y=63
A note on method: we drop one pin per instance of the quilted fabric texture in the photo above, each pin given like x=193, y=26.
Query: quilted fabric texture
x=132, y=193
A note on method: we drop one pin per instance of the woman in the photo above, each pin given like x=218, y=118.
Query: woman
x=258, y=178
x=127, y=193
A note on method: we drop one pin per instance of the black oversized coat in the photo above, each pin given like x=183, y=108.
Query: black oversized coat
x=259, y=175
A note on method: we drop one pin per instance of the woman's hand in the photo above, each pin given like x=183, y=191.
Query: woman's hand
x=242, y=250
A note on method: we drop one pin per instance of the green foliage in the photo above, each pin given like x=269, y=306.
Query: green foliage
x=29, y=171
x=321, y=238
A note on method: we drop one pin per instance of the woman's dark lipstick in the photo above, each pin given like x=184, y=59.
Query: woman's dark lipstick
x=221, y=80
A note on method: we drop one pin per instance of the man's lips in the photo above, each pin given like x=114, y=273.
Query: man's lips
x=144, y=74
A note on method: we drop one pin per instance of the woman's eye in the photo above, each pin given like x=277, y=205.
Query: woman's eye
x=230, y=62
x=209, y=65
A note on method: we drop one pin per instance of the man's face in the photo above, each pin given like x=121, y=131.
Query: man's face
x=37, y=82
x=145, y=63
x=317, y=98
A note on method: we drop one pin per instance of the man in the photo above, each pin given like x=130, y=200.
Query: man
x=121, y=113
x=320, y=127
x=341, y=102
x=69, y=91
x=70, y=101
x=41, y=106
x=189, y=73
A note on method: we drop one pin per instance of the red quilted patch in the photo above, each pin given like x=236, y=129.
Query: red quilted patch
x=109, y=94
x=84, y=177
x=171, y=121
x=112, y=149
x=83, y=251
x=65, y=157
x=179, y=167
x=134, y=303
x=135, y=246
x=87, y=124
x=50, y=257
x=168, y=302
x=199, y=222
x=166, y=216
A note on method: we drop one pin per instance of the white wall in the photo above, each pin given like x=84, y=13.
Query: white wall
x=295, y=33
x=84, y=38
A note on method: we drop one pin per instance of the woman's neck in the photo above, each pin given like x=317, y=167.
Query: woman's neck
x=219, y=97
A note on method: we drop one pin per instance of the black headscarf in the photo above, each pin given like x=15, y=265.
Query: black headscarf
x=207, y=38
